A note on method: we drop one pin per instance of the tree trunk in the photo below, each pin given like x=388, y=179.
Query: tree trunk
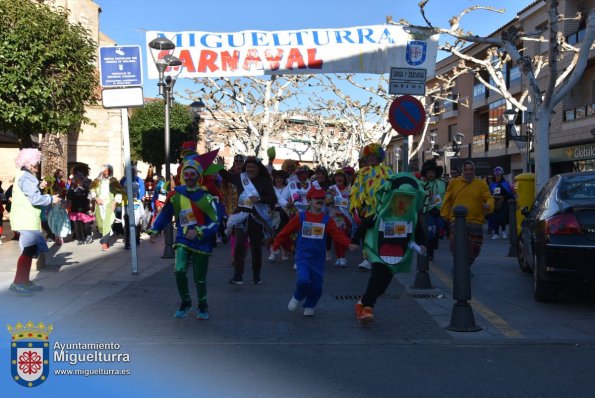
x=54, y=149
x=542, y=147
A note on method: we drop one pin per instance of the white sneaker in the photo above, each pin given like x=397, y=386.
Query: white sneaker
x=338, y=262
x=293, y=304
x=365, y=265
x=495, y=236
x=294, y=266
x=308, y=311
x=273, y=256
x=504, y=235
x=341, y=262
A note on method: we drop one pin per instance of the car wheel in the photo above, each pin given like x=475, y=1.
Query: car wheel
x=520, y=255
x=543, y=291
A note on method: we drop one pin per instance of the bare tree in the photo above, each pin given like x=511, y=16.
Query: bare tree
x=247, y=110
x=564, y=66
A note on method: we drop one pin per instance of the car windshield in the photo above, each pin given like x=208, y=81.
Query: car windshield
x=578, y=188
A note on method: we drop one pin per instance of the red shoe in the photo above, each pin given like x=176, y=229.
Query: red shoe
x=104, y=247
x=364, y=314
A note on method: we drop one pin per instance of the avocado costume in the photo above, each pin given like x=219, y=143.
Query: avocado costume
x=388, y=241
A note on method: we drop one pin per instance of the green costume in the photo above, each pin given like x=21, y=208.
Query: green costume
x=388, y=241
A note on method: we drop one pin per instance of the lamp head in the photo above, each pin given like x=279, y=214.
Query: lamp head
x=458, y=138
x=197, y=107
x=157, y=46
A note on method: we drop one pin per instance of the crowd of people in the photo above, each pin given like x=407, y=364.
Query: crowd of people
x=295, y=211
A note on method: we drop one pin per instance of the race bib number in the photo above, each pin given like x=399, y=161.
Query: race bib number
x=341, y=201
x=395, y=229
x=161, y=197
x=340, y=221
x=497, y=191
x=313, y=230
x=187, y=218
x=437, y=199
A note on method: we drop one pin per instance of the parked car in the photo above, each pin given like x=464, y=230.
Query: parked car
x=557, y=238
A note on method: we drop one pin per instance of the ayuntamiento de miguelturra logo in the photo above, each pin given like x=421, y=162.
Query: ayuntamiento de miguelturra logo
x=30, y=353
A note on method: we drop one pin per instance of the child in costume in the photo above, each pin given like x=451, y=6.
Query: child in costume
x=197, y=223
x=312, y=228
x=338, y=206
x=371, y=176
x=391, y=236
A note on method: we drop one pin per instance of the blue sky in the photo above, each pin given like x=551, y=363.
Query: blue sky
x=126, y=21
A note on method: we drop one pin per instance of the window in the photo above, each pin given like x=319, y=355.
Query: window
x=479, y=92
x=496, y=125
x=514, y=76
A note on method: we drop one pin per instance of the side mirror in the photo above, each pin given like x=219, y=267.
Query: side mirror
x=525, y=211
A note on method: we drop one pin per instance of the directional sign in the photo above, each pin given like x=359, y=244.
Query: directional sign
x=407, y=81
x=407, y=115
x=120, y=66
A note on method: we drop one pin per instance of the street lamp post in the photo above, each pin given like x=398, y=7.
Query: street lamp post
x=397, y=152
x=197, y=108
x=456, y=143
x=172, y=66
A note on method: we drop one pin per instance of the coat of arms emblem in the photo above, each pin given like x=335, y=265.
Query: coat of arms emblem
x=29, y=353
x=416, y=52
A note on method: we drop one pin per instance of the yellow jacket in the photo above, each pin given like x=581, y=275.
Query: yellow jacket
x=472, y=195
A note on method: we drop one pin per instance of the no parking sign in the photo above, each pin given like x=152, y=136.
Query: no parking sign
x=407, y=115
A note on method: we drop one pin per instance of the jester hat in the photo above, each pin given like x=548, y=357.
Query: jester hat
x=372, y=150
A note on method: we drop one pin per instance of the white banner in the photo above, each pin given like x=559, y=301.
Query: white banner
x=364, y=49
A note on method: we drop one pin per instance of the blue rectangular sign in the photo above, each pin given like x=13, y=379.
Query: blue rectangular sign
x=120, y=66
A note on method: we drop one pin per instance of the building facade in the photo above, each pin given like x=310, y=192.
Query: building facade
x=479, y=113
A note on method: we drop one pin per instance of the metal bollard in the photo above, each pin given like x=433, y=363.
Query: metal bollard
x=422, y=277
x=461, y=319
x=513, y=233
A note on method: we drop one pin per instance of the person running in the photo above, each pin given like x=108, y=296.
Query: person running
x=197, y=223
x=338, y=207
x=252, y=218
x=435, y=191
x=312, y=228
x=25, y=217
x=502, y=193
x=472, y=193
x=369, y=179
x=282, y=213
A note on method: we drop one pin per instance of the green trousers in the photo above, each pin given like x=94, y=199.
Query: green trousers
x=200, y=264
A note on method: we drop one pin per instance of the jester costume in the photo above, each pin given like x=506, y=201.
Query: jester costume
x=195, y=210
x=368, y=181
x=391, y=235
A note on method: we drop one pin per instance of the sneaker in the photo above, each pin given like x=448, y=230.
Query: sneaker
x=236, y=280
x=293, y=304
x=504, y=235
x=285, y=257
x=308, y=311
x=33, y=287
x=257, y=280
x=363, y=314
x=80, y=242
x=338, y=262
x=89, y=239
x=343, y=263
x=21, y=289
x=365, y=265
x=202, y=314
x=495, y=236
x=273, y=256
x=295, y=266
x=185, y=307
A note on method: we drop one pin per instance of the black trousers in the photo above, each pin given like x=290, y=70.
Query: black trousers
x=380, y=278
x=254, y=232
x=81, y=230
